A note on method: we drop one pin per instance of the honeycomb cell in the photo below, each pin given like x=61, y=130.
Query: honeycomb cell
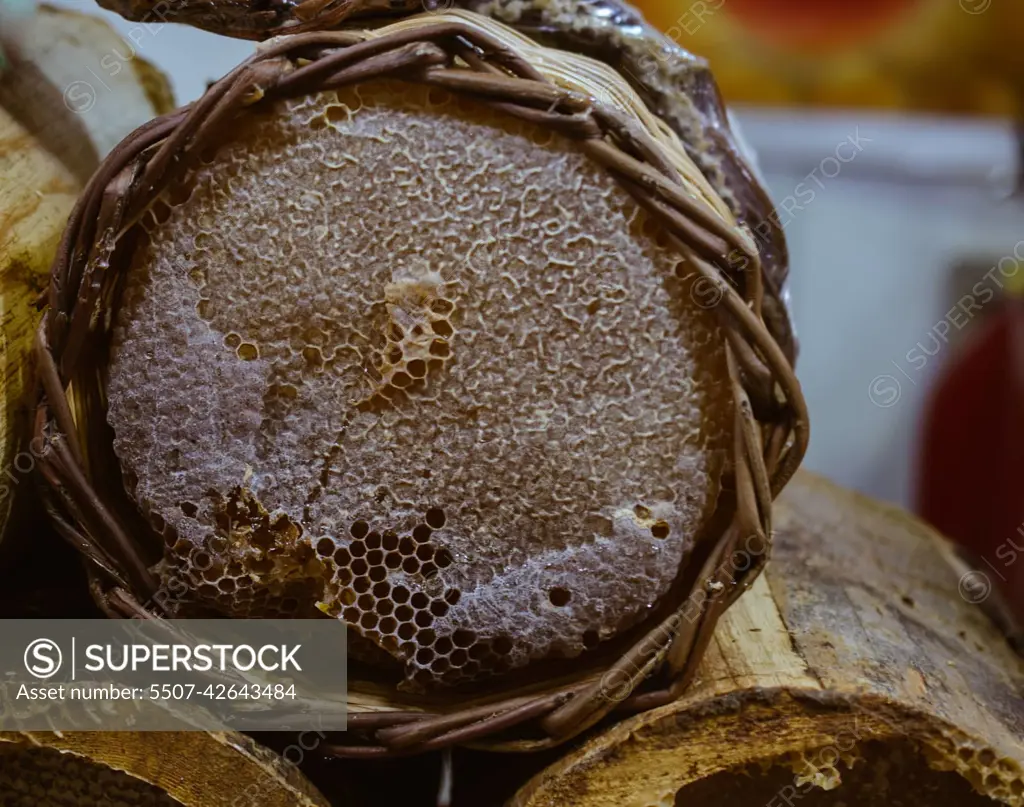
x=368, y=621
x=247, y=351
x=417, y=368
x=442, y=328
x=410, y=566
x=420, y=601
x=443, y=646
x=559, y=596
x=438, y=608
x=423, y=619
x=425, y=552
x=359, y=529
x=436, y=518
x=427, y=637
x=440, y=665
x=464, y=638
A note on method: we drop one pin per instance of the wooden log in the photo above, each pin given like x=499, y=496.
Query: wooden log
x=858, y=670
x=67, y=98
x=155, y=769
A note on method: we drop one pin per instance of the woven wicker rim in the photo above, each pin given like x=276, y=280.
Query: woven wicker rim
x=461, y=53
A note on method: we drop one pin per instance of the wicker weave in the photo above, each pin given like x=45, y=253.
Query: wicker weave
x=462, y=54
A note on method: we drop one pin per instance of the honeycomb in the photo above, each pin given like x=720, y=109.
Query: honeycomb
x=401, y=359
x=873, y=774
x=989, y=772
x=44, y=777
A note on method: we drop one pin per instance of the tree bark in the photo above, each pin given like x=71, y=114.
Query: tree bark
x=864, y=640
x=68, y=98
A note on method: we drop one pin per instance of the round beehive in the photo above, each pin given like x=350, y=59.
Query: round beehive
x=417, y=364
x=434, y=331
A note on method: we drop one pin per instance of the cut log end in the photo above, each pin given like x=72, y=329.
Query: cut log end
x=853, y=672
x=140, y=769
x=57, y=118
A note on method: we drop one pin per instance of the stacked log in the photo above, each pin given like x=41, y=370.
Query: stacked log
x=860, y=669
x=72, y=91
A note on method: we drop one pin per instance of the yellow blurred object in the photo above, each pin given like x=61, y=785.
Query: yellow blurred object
x=949, y=56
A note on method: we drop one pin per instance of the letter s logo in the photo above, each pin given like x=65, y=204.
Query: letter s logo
x=43, y=658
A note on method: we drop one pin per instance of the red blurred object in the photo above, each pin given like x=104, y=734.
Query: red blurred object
x=972, y=473
x=821, y=24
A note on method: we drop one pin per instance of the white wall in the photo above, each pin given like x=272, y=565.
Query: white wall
x=871, y=259
x=870, y=254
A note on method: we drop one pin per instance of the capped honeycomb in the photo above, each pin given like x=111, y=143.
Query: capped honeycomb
x=397, y=358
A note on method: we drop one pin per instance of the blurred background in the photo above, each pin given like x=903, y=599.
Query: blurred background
x=887, y=133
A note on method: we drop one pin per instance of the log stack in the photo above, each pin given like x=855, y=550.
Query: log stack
x=860, y=669
x=73, y=90
x=138, y=769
